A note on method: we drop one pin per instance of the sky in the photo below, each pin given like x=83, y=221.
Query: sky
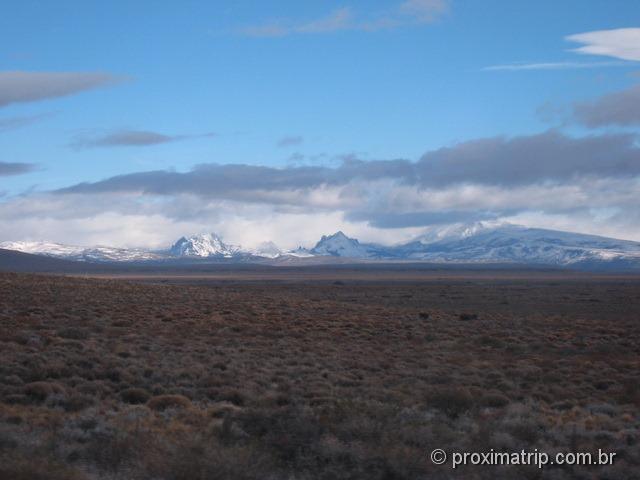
x=133, y=123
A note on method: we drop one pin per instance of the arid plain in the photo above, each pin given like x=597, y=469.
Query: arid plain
x=349, y=374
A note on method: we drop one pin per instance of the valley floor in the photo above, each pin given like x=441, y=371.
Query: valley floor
x=251, y=378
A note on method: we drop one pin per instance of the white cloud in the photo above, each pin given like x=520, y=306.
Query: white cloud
x=131, y=221
x=385, y=201
x=361, y=208
x=553, y=66
x=548, y=174
x=622, y=43
x=588, y=221
x=410, y=12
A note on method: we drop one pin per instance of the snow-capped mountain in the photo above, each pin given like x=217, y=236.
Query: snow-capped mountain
x=339, y=245
x=202, y=245
x=207, y=245
x=75, y=252
x=491, y=243
x=475, y=243
x=266, y=250
x=518, y=244
x=195, y=247
x=455, y=231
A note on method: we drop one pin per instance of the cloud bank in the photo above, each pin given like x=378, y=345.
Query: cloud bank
x=615, y=109
x=20, y=87
x=587, y=184
x=547, y=157
x=622, y=43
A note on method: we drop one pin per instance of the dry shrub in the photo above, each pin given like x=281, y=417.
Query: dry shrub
x=77, y=402
x=201, y=459
x=494, y=400
x=39, y=391
x=73, y=333
x=453, y=401
x=111, y=450
x=221, y=409
x=290, y=432
x=16, y=399
x=13, y=380
x=162, y=402
x=135, y=395
x=14, y=467
x=232, y=395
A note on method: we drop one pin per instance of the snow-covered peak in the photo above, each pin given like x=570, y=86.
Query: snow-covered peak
x=339, y=245
x=267, y=250
x=202, y=245
x=75, y=252
x=46, y=248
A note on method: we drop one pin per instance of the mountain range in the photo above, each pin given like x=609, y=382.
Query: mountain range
x=479, y=243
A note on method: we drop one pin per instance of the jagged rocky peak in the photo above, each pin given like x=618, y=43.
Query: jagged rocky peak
x=339, y=245
x=202, y=245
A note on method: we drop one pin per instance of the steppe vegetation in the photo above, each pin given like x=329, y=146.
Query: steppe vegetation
x=106, y=379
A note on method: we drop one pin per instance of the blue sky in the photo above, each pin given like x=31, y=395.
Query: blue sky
x=289, y=84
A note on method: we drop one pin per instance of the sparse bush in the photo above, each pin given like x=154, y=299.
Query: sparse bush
x=222, y=409
x=525, y=430
x=39, y=391
x=453, y=401
x=13, y=380
x=21, y=467
x=16, y=399
x=77, y=402
x=111, y=449
x=232, y=395
x=162, y=402
x=495, y=400
x=199, y=459
x=135, y=395
x=73, y=333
